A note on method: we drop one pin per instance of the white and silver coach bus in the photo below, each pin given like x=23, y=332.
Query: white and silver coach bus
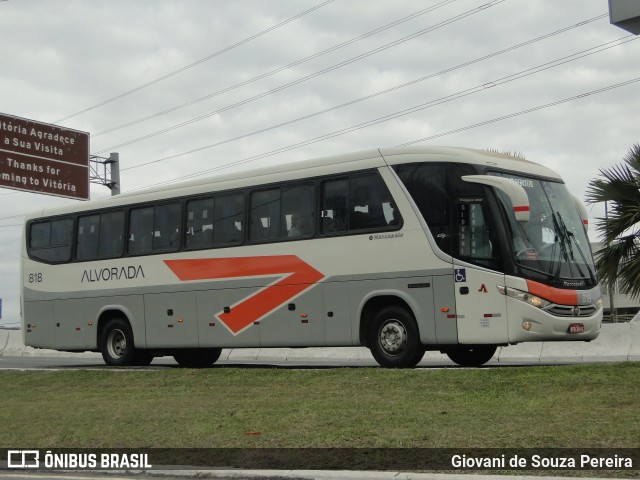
x=402, y=250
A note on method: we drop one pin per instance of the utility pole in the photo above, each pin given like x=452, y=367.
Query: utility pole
x=613, y=314
x=106, y=171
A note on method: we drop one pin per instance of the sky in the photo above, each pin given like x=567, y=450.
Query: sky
x=198, y=87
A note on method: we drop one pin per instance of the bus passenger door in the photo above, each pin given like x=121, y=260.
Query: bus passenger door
x=481, y=309
x=444, y=310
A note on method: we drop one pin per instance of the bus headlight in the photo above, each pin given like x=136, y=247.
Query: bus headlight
x=524, y=296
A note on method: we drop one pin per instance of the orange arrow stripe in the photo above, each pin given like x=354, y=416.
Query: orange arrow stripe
x=297, y=276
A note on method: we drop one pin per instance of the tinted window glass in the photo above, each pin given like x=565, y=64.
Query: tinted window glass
x=100, y=236
x=361, y=202
x=88, y=237
x=434, y=188
x=155, y=229
x=228, y=219
x=371, y=203
x=335, y=207
x=111, y=235
x=457, y=213
x=40, y=235
x=200, y=223
x=431, y=192
x=298, y=205
x=140, y=231
x=284, y=213
x=265, y=215
x=166, y=231
x=51, y=241
x=475, y=237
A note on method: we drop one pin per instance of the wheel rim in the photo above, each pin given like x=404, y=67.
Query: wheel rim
x=393, y=337
x=117, y=343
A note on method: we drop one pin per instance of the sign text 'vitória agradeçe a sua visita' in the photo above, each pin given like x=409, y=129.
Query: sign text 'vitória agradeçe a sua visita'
x=43, y=158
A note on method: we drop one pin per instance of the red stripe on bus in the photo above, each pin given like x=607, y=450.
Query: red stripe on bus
x=524, y=208
x=554, y=295
x=298, y=276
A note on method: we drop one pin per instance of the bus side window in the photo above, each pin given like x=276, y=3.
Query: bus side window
x=88, y=238
x=429, y=186
x=200, y=223
x=100, y=236
x=368, y=198
x=40, y=235
x=228, y=219
x=141, y=231
x=265, y=215
x=51, y=241
x=474, y=235
x=298, y=206
x=361, y=202
x=166, y=227
x=335, y=195
x=111, y=235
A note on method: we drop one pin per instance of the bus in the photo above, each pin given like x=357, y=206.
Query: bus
x=401, y=250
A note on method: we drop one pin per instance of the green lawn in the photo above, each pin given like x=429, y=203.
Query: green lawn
x=583, y=406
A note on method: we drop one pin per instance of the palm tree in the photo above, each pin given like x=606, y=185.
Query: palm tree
x=619, y=187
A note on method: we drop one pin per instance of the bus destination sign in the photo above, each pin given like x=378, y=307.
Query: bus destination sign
x=43, y=158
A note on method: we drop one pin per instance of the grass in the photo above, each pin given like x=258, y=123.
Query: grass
x=583, y=406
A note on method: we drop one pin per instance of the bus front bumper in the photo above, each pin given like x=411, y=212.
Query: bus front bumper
x=531, y=324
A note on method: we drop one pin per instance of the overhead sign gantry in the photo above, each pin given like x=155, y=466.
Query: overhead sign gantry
x=625, y=14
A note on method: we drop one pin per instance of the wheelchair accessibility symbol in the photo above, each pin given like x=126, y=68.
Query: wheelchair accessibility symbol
x=460, y=275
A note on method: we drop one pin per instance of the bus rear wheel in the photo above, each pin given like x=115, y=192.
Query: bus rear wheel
x=116, y=343
x=395, y=341
x=471, y=355
x=197, y=357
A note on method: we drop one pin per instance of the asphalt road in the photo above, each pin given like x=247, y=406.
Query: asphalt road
x=79, y=362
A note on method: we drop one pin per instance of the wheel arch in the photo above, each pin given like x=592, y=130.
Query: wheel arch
x=376, y=301
x=110, y=312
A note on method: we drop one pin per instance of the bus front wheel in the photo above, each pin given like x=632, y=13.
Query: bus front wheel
x=471, y=355
x=116, y=343
x=395, y=341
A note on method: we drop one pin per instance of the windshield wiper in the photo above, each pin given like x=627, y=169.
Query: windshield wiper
x=566, y=237
x=560, y=238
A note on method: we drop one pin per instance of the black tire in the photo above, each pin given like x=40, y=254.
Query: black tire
x=197, y=357
x=395, y=341
x=116, y=343
x=471, y=355
x=142, y=358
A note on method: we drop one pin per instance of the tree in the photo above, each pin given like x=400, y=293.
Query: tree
x=619, y=187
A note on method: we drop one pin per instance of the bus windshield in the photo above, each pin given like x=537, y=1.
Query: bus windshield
x=553, y=242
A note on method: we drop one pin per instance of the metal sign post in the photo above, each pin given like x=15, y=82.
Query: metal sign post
x=106, y=171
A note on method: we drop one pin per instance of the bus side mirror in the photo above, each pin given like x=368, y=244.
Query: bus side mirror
x=582, y=211
x=515, y=192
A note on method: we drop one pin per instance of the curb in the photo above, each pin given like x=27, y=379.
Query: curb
x=616, y=343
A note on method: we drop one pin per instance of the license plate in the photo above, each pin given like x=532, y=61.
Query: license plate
x=576, y=328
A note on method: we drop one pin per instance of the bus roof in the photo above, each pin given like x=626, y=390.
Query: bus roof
x=374, y=158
